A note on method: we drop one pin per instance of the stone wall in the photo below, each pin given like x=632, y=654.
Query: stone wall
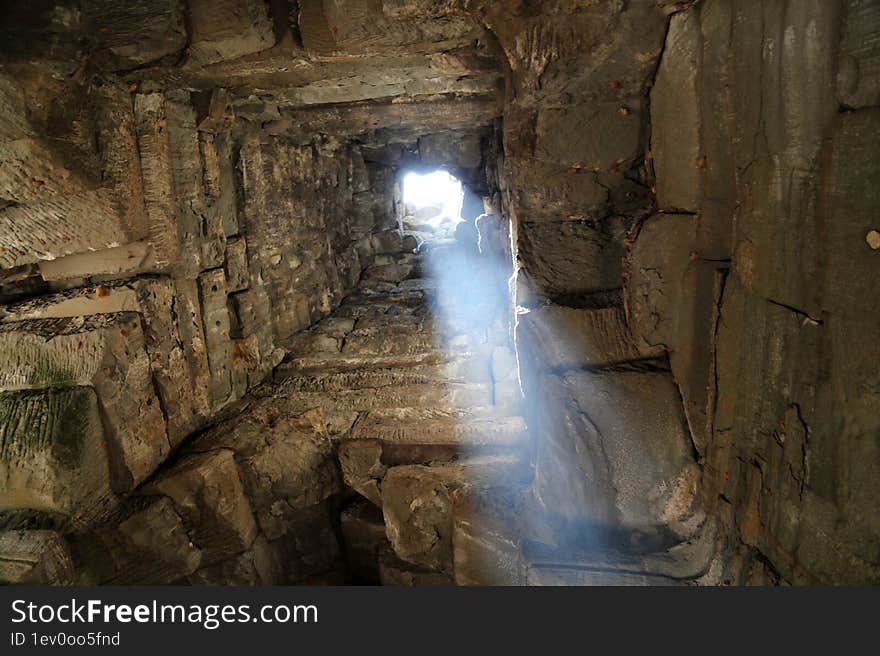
x=614, y=462
x=174, y=256
x=754, y=275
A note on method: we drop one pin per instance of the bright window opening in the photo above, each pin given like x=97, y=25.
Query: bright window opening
x=432, y=203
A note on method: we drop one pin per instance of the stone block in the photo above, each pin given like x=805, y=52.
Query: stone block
x=209, y=497
x=484, y=541
x=675, y=117
x=285, y=461
x=567, y=260
x=252, y=567
x=135, y=33
x=417, y=502
x=236, y=265
x=228, y=29
x=103, y=351
x=397, y=573
x=35, y=558
x=147, y=545
x=562, y=338
x=362, y=468
x=611, y=142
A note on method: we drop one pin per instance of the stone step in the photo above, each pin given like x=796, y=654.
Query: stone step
x=408, y=286
x=413, y=413
x=679, y=565
x=466, y=435
x=417, y=401
x=576, y=576
x=341, y=371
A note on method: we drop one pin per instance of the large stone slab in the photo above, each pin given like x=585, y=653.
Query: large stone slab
x=103, y=351
x=611, y=142
x=418, y=503
x=675, y=116
x=208, y=494
x=568, y=338
x=147, y=545
x=135, y=33
x=285, y=461
x=35, y=558
x=568, y=260
x=53, y=459
x=228, y=29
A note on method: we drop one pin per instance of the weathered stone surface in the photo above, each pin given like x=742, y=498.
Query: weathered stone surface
x=550, y=576
x=35, y=558
x=416, y=117
x=218, y=343
x=675, y=116
x=135, y=33
x=54, y=467
x=552, y=191
x=566, y=259
x=285, y=462
x=397, y=573
x=611, y=142
x=451, y=149
x=227, y=29
x=417, y=502
x=647, y=446
x=62, y=194
x=149, y=544
x=252, y=567
x=209, y=497
x=419, y=440
x=568, y=338
x=484, y=543
x=858, y=76
x=355, y=26
x=103, y=351
x=362, y=468
x=220, y=178
x=236, y=265
x=309, y=552
x=672, y=297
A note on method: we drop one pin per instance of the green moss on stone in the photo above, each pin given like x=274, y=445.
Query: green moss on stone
x=35, y=420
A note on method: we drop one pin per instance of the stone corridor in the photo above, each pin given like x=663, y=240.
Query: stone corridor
x=231, y=353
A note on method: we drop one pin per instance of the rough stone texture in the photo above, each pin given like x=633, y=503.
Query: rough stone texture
x=149, y=544
x=105, y=352
x=284, y=459
x=230, y=355
x=760, y=321
x=675, y=144
x=484, y=544
x=55, y=465
x=566, y=260
x=570, y=338
x=227, y=29
x=34, y=558
x=209, y=496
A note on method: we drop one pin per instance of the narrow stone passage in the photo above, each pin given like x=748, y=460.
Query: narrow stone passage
x=632, y=343
x=416, y=380
x=416, y=377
